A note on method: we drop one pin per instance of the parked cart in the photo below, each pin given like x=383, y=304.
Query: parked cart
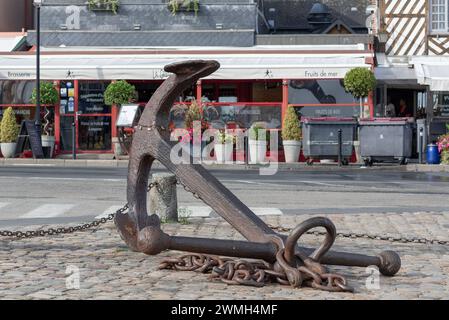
x=386, y=139
x=321, y=138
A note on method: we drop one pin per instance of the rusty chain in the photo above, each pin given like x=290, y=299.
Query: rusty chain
x=96, y=223
x=389, y=238
x=65, y=230
x=256, y=273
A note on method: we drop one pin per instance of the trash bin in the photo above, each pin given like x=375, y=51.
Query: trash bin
x=432, y=154
x=385, y=139
x=320, y=138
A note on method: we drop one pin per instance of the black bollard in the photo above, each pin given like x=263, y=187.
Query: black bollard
x=421, y=136
x=340, y=145
x=73, y=141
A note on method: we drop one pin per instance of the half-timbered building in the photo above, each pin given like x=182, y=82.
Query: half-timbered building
x=413, y=60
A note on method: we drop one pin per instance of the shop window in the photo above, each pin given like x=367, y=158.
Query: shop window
x=227, y=93
x=244, y=115
x=267, y=91
x=145, y=90
x=319, y=92
x=91, y=97
x=441, y=104
x=94, y=133
x=67, y=97
x=16, y=91
x=22, y=113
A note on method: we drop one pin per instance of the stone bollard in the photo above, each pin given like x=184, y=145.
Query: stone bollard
x=163, y=198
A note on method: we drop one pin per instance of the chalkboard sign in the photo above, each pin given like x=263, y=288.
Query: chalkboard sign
x=29, y=137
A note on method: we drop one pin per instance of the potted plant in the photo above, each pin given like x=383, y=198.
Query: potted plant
x=360, y=82
x=103, y=5
x=8, y=133
x=193, y=114
x=257, y=143
x=291, y=136
x=116, y=94
x=183, y=5
x=224, y=147
x=443, y=147
x=48, y=97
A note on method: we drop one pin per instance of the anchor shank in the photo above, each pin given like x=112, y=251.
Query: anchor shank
x=336, y=258
x=227, y=248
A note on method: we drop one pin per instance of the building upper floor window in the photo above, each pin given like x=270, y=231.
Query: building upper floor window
x=439, y=15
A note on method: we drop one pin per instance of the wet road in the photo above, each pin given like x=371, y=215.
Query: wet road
x=35, y=195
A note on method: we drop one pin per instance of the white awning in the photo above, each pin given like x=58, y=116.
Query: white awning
x=10, y=43
x=394, y=70
x=432, y=71
x=395, y=74
x=139, y=66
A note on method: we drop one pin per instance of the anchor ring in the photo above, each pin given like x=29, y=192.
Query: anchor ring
x=290, y=244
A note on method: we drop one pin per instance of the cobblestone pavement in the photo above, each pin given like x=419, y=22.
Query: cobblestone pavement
x=36, y=268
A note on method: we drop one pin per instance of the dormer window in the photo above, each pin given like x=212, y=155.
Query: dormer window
x=439, y=16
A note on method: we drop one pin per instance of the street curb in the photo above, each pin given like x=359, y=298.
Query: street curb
x=427, y=168
x=295, y=167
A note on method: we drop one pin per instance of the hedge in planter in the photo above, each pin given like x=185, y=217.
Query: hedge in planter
x=8, y=127
x=291, y=136
x=292, y=127
x=360, y=82
x=48, y=96
x=119, y=92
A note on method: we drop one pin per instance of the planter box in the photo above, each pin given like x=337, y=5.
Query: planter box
x=183, y=6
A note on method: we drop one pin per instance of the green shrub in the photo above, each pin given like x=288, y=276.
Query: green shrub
x=119, y=92
x=8, y=127
x=360, y=82
x=223, y=138
x=445, y=157
x=255, y=135
x=188, y=5
x=111, y=5
x=193, y=114
x=292, y=126
x=49, y=94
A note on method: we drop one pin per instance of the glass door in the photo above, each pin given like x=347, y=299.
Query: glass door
x=94, y=125
x=82, y=104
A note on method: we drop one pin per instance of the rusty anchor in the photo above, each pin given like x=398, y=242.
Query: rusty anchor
x=271, y=257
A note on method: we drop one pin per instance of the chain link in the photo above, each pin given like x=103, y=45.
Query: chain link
x=389, y=238
x=66, y=230
x=97, y=222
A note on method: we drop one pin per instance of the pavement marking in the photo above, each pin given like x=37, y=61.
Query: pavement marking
x=62, y=179
x=196, y=211
x=267, y=211
x=33, y=165
x=4, y=204
x=108, y=211
x=204, y=212
x=48, y=211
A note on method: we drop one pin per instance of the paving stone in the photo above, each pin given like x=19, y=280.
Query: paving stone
x=36, y=268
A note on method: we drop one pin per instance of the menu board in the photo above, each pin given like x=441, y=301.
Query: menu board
x=127, y=115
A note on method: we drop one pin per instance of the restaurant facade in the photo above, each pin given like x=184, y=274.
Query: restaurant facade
x=253, y=85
